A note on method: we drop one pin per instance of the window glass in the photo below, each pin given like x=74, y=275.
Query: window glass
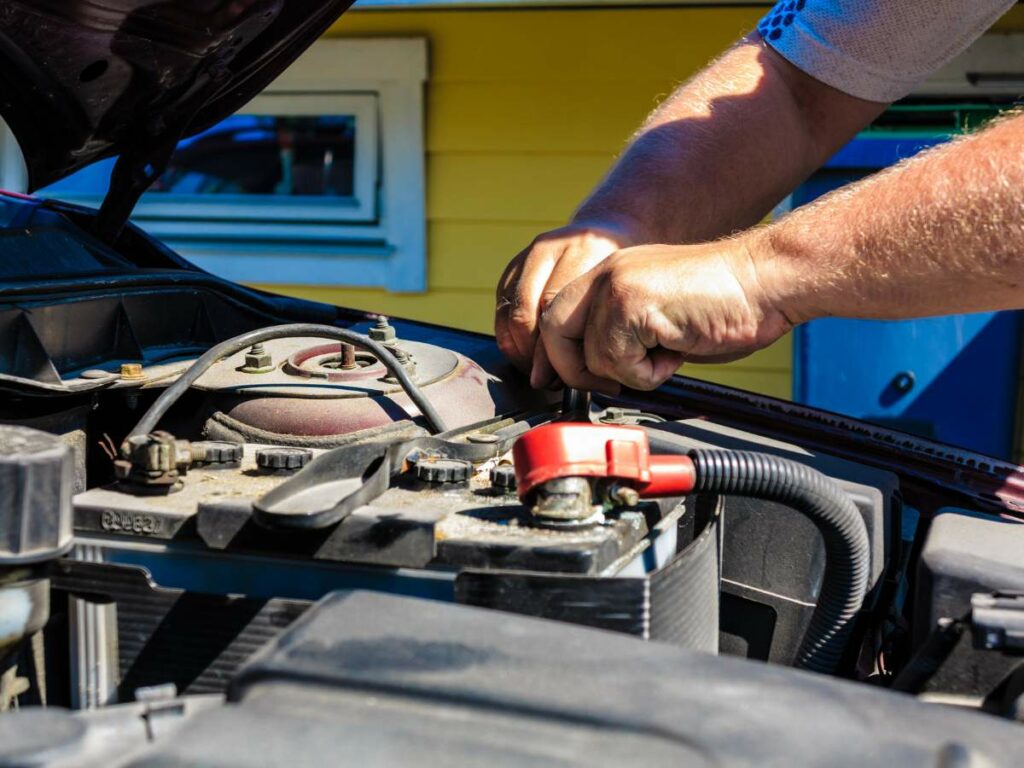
x=246, y=155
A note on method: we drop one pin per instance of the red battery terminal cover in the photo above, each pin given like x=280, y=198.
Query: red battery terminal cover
x=619, y=453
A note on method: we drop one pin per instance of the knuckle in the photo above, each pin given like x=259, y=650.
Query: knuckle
x=619, y=284
x=545, y=240
x=522, y=317
x=614, y=265
x=545, y=300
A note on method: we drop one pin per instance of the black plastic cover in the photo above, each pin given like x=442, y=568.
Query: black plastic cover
x=369, y=679
x=964, y=553
x=399, y=681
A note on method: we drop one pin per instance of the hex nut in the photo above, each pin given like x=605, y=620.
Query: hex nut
x=132, y=371
x=283, y=458
x=382, y=332
x=257, y=360
x=438, y=469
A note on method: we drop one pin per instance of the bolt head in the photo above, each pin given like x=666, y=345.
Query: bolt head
x=383, y=335
x=132, y=372
x=258, y=360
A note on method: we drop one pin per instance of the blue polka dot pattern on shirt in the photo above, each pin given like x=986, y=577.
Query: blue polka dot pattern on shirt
x=779, y=17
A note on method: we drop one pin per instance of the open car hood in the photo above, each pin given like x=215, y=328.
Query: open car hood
x=81, y=80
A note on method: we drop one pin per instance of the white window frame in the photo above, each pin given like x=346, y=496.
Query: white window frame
x=992, y=65
x=361, y=207
x=381, y=81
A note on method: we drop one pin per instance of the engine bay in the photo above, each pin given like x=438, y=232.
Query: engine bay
x=217, y=461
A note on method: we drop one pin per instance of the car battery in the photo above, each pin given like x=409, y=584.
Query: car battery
x=182, y=587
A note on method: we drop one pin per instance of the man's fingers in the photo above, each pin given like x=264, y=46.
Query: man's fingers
x=570, y=266
x=542, y=374
x=632, y=364
x=577, y=260
x=503, y=306
x=606, y=349
x=619, y=346
x=534, y=277
x=518, y=305
x=663, y=365
x=563, y=328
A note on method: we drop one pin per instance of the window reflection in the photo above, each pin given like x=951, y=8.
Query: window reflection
x=275, y=155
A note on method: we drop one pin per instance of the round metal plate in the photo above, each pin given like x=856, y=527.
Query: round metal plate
x=311, y=378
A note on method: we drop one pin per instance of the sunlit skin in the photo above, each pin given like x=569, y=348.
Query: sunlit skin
x=621, y=297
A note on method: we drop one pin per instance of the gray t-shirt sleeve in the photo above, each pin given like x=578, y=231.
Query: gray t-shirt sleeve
x=877, y=50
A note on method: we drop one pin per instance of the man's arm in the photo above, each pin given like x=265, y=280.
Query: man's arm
x=726, y=148
x=712, y=160
x=941, y=233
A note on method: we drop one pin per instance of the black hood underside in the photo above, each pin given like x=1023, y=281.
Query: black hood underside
x=82, y=80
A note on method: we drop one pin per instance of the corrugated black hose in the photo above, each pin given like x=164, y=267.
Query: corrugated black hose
x=821, y=500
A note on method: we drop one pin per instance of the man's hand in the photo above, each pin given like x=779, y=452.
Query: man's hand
x=637, y=316
x=536, y=275
x=713, y=159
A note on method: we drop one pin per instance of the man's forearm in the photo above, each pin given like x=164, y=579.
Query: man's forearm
x=725, y=148
x=941, y=233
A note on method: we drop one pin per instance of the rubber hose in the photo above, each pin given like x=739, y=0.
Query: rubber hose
x=235, y=344
x=821, y=500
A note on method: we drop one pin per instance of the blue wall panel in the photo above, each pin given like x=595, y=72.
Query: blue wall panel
x=952, y=378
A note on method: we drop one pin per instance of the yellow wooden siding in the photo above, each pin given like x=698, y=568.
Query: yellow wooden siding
x=525, y=110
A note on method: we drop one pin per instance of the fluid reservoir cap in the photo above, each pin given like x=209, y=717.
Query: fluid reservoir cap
x=437, y=469
x=283, y=458
x=503, y=476
x=216, y=452
x=36, y=471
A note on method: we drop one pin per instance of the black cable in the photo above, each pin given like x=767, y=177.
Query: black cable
x=821, y=500
x=225, y=348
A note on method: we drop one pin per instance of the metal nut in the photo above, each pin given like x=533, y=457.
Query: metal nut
x=257, y=360
x=132, y=371
x=383, y=332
